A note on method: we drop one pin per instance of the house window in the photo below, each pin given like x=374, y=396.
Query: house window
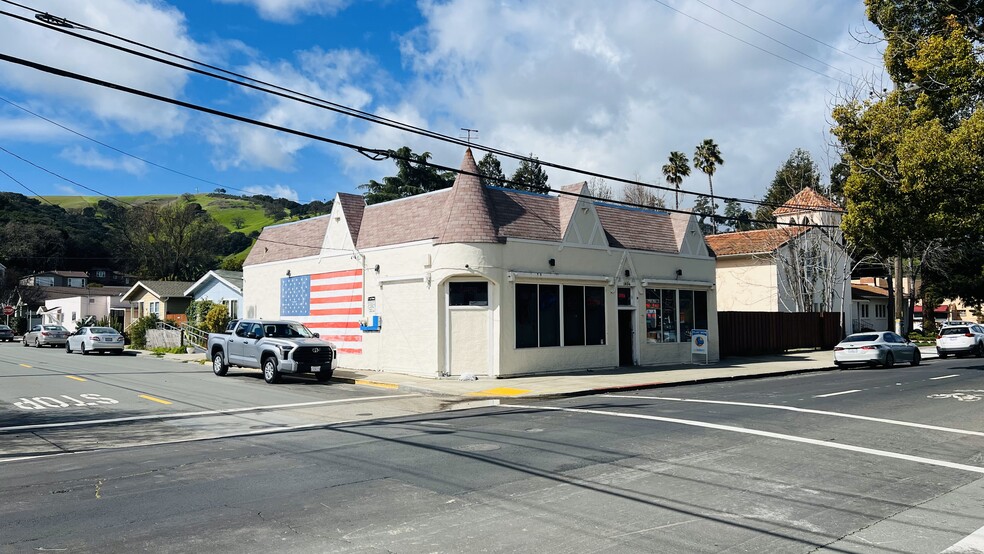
x=233, y=308
x=155, y=308
x=468, y=293
x=92, y=300
x=881, y=310
x=672, y=315
x=543, y=311
x=863, y=310
x=100, y=273
x=73, y=316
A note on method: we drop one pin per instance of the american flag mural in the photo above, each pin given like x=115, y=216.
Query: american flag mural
x=329, y=304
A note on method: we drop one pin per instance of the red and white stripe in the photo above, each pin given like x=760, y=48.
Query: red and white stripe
x=336, y=308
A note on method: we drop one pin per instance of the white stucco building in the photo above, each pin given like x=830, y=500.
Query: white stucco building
x=788, y=268
x=489, y=281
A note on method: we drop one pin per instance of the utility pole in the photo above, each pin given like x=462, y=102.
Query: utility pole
x=899, y=303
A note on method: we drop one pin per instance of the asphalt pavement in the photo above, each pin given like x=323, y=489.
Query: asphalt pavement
x=585, y=382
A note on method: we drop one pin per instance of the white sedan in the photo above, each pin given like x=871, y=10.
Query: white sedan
x=882, y=348
x=95, y=339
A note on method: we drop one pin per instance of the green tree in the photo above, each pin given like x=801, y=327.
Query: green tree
x=176, y=241
x=737, y=215
x=915, y=155
x=705, y=212
x=216, y=319
x=796, y=173
x=530, y=176
x=674, y=172
x=707, y=157
x=413, y=176
x=491, y=170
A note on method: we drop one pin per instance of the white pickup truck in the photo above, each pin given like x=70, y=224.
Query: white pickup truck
x=276, y=347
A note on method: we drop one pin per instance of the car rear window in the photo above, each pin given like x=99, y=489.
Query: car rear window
x=861, y=338
x=104, y=330
x=54, y=328
x=4, y=328
x=954, y=331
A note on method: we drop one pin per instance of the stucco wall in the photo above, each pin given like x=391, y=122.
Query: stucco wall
x=747, y=284
x=409, y=294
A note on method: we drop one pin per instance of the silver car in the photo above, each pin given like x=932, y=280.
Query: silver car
x=46, y=335
x=95, y=339
x=876, y=348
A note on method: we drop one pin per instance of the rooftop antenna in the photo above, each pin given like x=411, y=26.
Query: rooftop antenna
x=468, y=134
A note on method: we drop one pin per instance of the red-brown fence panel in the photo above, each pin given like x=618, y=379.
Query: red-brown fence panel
x=752, y=333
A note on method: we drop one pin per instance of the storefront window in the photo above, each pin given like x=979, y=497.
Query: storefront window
x=526, y=320
x=671, y=315
x=594, y=315
x=573, y=315
x=539, y=318
x=549, y=315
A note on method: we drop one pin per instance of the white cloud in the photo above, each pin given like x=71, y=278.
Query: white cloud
x=345, y=77
x=147, y=21
x=92, y=159
x=30, y=130
x=615, y=90
x=275, y=191
x=66, y=190
x=287, y=11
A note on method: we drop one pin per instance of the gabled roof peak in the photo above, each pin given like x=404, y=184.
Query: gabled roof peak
x=807, y=200
x=468, y=218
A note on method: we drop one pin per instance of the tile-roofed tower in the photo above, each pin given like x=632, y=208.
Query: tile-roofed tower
x=467, y=217
x=811, y=206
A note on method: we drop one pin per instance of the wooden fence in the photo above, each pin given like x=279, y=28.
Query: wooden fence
x=753, y=333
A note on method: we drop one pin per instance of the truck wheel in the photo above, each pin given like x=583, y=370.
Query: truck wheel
x=270, y=372
x=219, y=366
x=324, y=375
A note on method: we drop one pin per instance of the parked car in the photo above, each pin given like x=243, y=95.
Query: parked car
x=6, y=333
x=882, y=348
x=276, y=347
x=960, y=340
x=95, y=339
x=46, y=335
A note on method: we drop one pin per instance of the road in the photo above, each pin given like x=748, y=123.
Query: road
x=840, y=461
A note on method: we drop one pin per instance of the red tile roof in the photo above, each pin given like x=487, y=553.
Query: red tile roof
x=806, y=200
x=752, y=242
x=868, y=291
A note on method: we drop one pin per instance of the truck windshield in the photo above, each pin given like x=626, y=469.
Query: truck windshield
x=286, y=331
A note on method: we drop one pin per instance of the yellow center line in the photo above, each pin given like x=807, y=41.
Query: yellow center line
x=24, y=365
x=152, y=399
x=74, y=377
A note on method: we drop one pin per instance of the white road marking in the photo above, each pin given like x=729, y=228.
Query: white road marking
x=808, y=411
x=970, y=544
x=837, y=393
x=196, y=414
x=944, y=377
x=767, y=434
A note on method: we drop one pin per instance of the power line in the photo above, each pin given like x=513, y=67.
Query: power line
x=755, y=46
x=773, y=39
x=11, y=177
x=111, y=147
x=324, y=104
x=379, y=154
x=780, y=23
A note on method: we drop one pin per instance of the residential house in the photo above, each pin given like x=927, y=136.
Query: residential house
x=490, y=281
x=165, y=299
x=222, y=287
x=871, y=311
x=68, y=306
x=111, y=277
x=77, y=279
x=793, y=267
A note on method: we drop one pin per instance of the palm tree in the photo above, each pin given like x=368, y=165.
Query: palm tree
x=676, y=170
x=706, y=158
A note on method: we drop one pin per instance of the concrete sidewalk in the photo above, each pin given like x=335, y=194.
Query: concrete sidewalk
x=585, y=382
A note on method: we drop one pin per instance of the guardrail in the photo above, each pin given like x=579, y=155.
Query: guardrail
x=194, y=336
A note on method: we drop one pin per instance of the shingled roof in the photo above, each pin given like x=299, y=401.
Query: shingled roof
x=752, y=242
x=469, y=212
x=806, y=200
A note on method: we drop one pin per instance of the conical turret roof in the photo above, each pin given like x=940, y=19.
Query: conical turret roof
x=467, y=216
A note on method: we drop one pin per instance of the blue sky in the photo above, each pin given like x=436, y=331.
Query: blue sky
x=611, y=87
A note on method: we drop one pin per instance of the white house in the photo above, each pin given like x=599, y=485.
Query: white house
x=489, y=281
x=788, y=268
x=222, y=287
x=78, y=306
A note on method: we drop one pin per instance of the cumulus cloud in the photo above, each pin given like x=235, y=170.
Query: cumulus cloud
x=615, y=90
x=151, y=22
x=287, y=11
x=92, y=159
x=275, y=191
x=345, y=77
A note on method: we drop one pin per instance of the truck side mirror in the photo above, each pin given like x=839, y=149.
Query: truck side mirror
x=251, y=335
x=317, y=335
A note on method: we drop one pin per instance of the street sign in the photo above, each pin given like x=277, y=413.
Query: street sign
x=8, y=310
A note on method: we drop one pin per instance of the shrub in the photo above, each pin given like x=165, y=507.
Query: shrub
x=197, y=311
x=138, y=331
x=217, y=319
